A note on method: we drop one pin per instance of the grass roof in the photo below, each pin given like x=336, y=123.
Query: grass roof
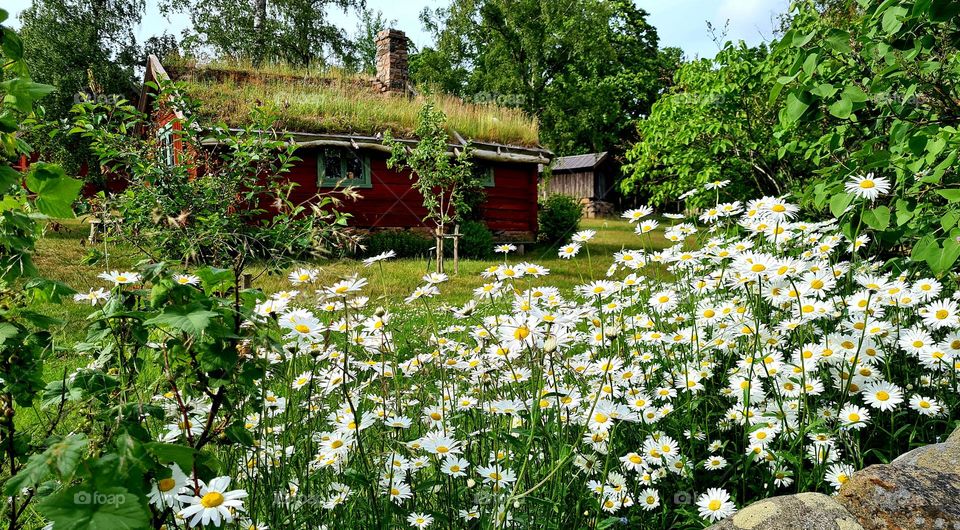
x=339, y=103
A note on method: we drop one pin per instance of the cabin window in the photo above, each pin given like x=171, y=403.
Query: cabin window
x=165, y=139
x=484, y=174
x=343, y=167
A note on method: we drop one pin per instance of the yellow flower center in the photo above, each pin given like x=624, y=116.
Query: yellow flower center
x=121, y=279
x=758, y=267
x=867, y=184
x=883, y=396
x=521, y=333
x=302, y=328
x=714, y=505
x=212, y=500
x=443, y=449
x=336, y=444
x=166, y=484
x=942, y=314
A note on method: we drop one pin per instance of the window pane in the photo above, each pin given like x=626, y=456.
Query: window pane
x=332, y=167
x=354, y=166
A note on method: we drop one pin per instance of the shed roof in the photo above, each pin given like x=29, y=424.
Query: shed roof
x=577, y=162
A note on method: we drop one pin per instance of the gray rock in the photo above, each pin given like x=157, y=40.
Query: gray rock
x=803, y=511
x=903, y=496
x=943, y=457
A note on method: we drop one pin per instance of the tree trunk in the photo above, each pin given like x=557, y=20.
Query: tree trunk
x=259, y=8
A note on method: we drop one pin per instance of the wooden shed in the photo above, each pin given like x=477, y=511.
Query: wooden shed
x=592, y=178
x=338, y=122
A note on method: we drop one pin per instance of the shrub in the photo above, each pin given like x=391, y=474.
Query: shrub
x=476, y=240
x=558, y=217
x=406, y=243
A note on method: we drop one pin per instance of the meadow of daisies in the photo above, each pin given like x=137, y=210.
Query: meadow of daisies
x=762, y=354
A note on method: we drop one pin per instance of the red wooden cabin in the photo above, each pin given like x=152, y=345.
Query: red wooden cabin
x=356, y=155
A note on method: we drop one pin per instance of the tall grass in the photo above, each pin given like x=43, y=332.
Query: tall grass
x=335, y=101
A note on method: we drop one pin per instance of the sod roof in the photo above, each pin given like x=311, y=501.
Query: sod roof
x=334, y=102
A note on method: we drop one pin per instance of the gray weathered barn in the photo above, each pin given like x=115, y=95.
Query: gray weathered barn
x=591, y=178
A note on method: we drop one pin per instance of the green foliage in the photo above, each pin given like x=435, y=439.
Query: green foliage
x=406, y=243
x=715, y=123
x=587, y=72
x=445, y=180
x=294, y=31
x=558, y=218
x=476, y=240
x=851, y=88
x=81, y=48
x=43, y=191
x=224, y=205
x=879, y=81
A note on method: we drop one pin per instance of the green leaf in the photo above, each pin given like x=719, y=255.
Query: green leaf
x=795, y=108
x=62, y=457
x=239, y=434
x=80, y=507
x=55, y=192
x=877, y=218
x=839, y=203
x=21, y=93
x=49, y=291
x=7, y=331
x=192, y=319
x=943, y=260
x=838, y=40
x=892, y=19
x=949, y=220
x=9, y=178
x=952, y=195
x=842, y=108
x=166, y=453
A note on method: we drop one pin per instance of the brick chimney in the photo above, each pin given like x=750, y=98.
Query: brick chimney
x=392, y=69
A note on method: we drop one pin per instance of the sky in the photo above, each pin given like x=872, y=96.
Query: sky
x=680, y=23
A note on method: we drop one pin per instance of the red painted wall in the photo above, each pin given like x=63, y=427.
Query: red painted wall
x=511, y=204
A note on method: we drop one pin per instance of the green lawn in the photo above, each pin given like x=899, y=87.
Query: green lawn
x=61, y=251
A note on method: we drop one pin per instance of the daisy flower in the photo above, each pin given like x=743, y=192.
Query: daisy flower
x=854, y=417
x=925, y=406
x=649, y=499
x=92, y=297
x=941, y=314
x=838, y=474
x=419, y=520
x=344, y=287
x=569, y=251
x=379, y=257
x=186, y=279
x=164, y=491
x=882, y=395
x=715, y=462
x=214, y=505
x=504, y=249
x=455, y=466
x=715, y=504
x=583, y=236
x=120, y=278
x=867, y=187
x=636, y=214
x=301, y=276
